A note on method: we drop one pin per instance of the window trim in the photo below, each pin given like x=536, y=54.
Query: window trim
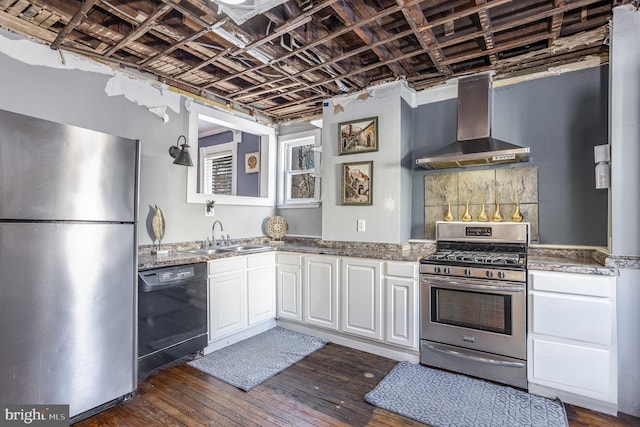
x=268, y=158
x=285, y=143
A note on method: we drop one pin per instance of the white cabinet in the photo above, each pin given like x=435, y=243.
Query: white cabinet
x=261, y=287
x=241, y=293
x=572, y=335
x=361, y=293
x=320, y=291
x=227, y=296
x=401, y=302
x=372, y=299
x=289, y=282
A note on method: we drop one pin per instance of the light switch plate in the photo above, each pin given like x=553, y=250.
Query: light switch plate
x=360, y=225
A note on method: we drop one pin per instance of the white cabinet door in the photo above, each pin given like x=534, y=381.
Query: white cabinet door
x=289, y=292
x=576, y=317
x=361, y=286
x=261, y=287
x=320, y=291
x=261, y=294
x=571, y=344
x=227, y=303
x=569, y=366
x=402, y=311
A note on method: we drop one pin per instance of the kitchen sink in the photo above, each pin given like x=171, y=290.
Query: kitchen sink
x=225, y=249
x=243, y=248
x=207, y=251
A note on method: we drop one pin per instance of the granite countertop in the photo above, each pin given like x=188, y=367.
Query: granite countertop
x=383, y=251
x=557, y=258
x=568, y=265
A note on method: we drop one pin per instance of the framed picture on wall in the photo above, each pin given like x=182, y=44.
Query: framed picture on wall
x=252, y=162
x=357, y=183
x=358, y=136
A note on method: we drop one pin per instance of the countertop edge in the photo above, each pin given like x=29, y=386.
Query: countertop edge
x=583, y=260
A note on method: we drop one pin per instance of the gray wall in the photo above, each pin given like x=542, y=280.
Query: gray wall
x=386, y=217
x=78, y=98
x=561, y=118
x=406, y=171
x=305, y=221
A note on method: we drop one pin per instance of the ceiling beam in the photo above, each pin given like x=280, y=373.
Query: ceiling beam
x=143, y=28
x=487, y=34
x=556, y=22
x=427, y=39
x=73, y=23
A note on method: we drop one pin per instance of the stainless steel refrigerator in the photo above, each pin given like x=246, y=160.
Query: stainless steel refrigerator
x=68, y=261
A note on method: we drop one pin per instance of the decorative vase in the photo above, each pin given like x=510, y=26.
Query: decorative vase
x=449, y=215
x=497, y=216
x=483, y=215
x=517, y=216
x=158, y=226
x=467, y=216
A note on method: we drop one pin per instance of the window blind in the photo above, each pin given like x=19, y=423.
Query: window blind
x=219, y=174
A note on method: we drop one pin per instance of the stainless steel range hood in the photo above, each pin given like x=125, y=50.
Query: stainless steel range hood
x=475, y=146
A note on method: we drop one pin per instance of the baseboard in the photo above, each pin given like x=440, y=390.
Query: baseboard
x=378, y=349
x=237, y=337
x=574, y=399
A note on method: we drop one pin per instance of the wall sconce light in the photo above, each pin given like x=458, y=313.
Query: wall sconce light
x=181, y=155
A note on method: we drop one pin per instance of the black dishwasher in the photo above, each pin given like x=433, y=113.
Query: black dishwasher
x=172, y=315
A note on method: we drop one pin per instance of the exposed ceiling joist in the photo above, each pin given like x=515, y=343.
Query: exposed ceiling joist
x=284, y=61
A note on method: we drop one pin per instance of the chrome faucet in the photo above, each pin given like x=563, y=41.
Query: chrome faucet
x=213, y=228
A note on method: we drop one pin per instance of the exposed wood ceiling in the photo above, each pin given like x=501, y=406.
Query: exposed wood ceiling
x=285, y=61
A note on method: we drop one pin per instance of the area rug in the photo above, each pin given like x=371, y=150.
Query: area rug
x=249, y=363
x=440, y=399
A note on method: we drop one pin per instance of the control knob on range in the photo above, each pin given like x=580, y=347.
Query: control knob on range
x=501, y=274
x=436, y=269
x=467, y=272
x=447, y=270
x=489, y=273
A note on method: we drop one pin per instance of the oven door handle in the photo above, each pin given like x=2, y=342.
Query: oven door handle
x=475, y=286
x=506, y=363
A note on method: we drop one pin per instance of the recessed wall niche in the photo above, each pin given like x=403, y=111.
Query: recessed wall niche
x=507, y=187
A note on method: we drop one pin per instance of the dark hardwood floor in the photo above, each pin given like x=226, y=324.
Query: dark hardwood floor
x=325, y=389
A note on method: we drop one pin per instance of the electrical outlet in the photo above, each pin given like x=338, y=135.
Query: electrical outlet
x=361, y=225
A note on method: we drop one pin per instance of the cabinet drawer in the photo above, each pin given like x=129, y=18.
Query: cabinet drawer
x=261, y=260
x=401, y=269
x=570, y=283
x=570, y=316
x=571, y=367
x=289, y=258
x=227, y=264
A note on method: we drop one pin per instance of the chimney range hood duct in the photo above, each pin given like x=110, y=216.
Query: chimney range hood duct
x=475, y=146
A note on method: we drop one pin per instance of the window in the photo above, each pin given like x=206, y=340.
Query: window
x=218, y=172
x=299, y=164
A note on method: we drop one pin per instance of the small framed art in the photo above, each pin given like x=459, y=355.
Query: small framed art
x=357, y=183
x=252, y=162
x=358, y=136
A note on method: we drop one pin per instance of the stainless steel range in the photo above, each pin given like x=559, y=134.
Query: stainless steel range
x=473, y=301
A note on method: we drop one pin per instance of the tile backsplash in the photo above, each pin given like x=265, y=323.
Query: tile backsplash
x=506, y=186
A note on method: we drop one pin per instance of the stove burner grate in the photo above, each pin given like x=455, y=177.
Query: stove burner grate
x=477, y=257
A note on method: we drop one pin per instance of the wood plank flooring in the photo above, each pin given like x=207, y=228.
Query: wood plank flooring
x=325, y=389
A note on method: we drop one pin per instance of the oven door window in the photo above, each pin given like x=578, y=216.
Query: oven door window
x=476, y=310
